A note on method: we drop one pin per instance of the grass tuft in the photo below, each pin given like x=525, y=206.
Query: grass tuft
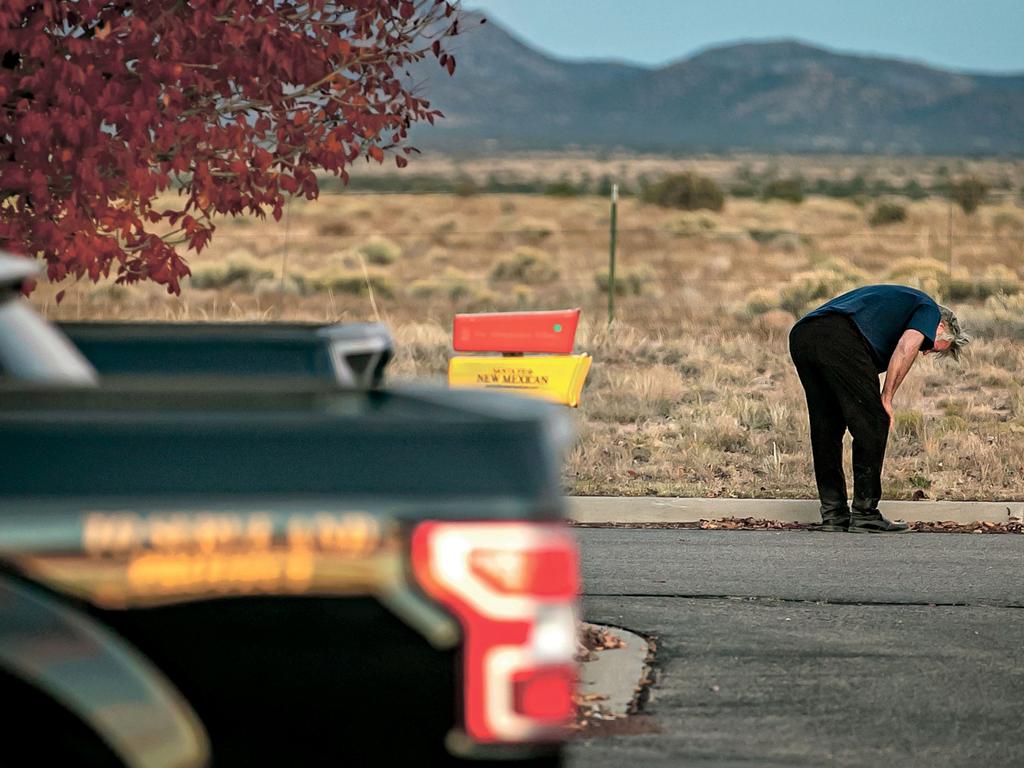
x=530, y=266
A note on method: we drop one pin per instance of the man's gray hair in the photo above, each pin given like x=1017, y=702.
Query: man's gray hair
x=952, y=333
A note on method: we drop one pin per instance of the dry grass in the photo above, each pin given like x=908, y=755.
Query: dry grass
x=692, y=391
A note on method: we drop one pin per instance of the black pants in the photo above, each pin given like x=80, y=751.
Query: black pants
x=840, y=380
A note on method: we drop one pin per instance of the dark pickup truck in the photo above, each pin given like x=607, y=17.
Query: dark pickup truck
x=263, y=571
x=351, y=354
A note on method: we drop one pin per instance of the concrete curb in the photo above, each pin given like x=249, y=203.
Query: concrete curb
x=617, y=673
x=648, y=509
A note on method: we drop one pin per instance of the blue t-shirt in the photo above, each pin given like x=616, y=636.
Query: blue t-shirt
x=882, y=313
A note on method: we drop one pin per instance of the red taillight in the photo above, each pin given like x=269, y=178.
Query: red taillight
x=541, y=573
x=545, y=693
x=513, y=587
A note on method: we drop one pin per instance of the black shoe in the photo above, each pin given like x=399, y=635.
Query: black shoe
x=835, y=520
x=835, y=516
x=873, y=521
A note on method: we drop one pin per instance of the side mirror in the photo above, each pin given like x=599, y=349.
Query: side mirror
x=30, y=348
x=360, y=352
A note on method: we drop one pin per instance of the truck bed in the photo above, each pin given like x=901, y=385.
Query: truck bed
x=244, y=437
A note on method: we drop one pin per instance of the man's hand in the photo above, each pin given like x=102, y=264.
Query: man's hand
x=887, y=404
x=904, y=356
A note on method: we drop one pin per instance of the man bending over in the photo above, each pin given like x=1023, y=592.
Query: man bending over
x=839, y=349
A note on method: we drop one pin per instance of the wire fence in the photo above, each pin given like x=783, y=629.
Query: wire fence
x=753, y=233
x=655, y=247
x=684, y=259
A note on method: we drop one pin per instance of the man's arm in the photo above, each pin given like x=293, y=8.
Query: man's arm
x=902, y=359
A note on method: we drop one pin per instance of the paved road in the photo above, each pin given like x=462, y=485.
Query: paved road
x=809, y=649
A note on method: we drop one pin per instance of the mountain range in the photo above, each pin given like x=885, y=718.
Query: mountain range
x=772, y=96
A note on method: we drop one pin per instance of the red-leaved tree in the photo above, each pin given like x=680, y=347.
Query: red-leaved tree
x=106, y=103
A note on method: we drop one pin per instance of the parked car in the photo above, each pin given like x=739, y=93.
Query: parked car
x=350, y=354
x=273, y=571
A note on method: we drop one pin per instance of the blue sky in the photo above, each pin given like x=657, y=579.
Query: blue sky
x=969, y=35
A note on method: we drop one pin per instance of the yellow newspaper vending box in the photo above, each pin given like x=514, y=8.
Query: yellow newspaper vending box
x=557, y=376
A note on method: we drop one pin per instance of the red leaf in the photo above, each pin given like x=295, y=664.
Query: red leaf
x=376, y=153
x=400, y=161
x=287, y=183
